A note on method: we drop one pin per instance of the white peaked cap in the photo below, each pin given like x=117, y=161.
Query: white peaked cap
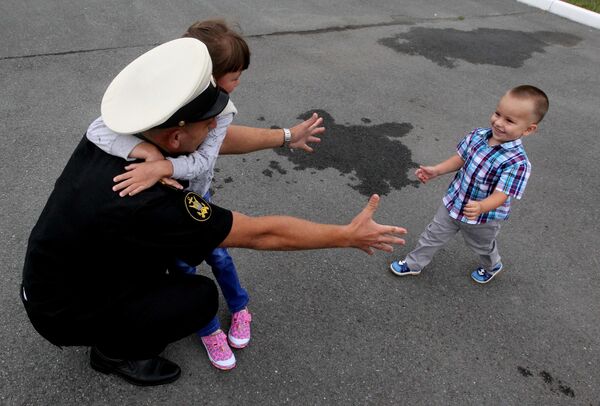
x=167, y=86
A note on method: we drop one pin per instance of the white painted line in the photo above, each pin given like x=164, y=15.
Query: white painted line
x=567, y=10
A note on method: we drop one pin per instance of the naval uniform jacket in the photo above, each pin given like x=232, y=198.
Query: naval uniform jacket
x=90, y=246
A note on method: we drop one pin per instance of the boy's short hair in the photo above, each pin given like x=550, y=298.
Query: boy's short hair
x=228, y=50
x=540, y=100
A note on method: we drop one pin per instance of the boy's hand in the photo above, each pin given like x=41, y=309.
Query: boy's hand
x=472, y=210
x=426, y=173
x=141, y=176
x=306, y=132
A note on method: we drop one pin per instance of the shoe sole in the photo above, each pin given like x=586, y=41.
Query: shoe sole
x=236, y=345
x=214, y=363
x=108, y=371
x=493, y=276
x=402, y=273
x=222, y=368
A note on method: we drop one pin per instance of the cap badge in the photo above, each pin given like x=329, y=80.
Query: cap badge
x=197, y=207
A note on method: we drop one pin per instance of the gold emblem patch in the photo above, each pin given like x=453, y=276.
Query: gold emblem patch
x=197, y=207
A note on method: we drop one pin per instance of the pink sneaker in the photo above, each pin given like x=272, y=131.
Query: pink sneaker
x=239, y=333
x=218, y=350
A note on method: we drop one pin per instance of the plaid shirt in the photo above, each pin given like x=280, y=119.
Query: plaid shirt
x=503, y=167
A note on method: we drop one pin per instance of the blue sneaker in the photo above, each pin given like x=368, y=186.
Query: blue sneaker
x=480, y=275
x=400, y=268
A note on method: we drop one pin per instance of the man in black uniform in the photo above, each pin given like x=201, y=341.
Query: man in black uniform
x=96, y=268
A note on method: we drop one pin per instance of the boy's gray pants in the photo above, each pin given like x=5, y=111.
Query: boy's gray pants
x=481, y=238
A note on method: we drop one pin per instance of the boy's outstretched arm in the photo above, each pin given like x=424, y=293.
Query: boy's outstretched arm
x=427, y=173
x=289, y=233
x=474, y=209
x=242, y=140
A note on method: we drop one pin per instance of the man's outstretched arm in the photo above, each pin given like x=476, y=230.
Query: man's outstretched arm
x=286, y=233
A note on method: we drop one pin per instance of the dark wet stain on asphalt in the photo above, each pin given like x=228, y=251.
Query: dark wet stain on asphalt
x=546, y=377
x=481, y=46
x=277, y=167
x=524, y=371
x=551, y=383
x=371, y=157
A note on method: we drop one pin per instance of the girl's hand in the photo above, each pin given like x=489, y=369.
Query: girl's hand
x=147, y=152
x=141, y=176
x=171, y=182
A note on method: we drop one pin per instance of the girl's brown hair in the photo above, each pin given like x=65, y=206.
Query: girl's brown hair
x=228, y=50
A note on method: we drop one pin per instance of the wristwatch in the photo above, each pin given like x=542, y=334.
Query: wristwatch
x=287, y=137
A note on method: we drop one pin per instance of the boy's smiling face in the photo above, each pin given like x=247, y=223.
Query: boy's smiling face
x=514, y=118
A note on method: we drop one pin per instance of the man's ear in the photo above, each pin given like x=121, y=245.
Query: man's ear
x=173, y=138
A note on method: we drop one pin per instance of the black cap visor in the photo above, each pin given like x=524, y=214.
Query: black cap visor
x=208, y=104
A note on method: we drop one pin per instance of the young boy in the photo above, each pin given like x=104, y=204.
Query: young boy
x=492, y=169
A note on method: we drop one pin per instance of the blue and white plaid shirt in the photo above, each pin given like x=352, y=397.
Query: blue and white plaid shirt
x=503, y=167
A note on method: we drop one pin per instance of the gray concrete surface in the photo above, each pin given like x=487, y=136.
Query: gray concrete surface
x=400, y=82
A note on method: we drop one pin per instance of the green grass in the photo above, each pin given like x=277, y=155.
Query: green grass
x=593, y=5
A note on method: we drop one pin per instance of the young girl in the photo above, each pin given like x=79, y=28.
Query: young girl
x=231, y=56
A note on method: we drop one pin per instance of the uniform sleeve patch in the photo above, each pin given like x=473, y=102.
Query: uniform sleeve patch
x=197, y=207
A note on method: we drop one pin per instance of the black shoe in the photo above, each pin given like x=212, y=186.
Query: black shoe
x=147, y=372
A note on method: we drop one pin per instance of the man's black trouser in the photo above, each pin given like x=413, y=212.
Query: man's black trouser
x=151, y=315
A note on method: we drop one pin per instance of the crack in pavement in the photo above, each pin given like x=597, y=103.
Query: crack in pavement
x=397, y=20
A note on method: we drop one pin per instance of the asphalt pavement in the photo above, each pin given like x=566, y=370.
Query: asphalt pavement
x=399, y=83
